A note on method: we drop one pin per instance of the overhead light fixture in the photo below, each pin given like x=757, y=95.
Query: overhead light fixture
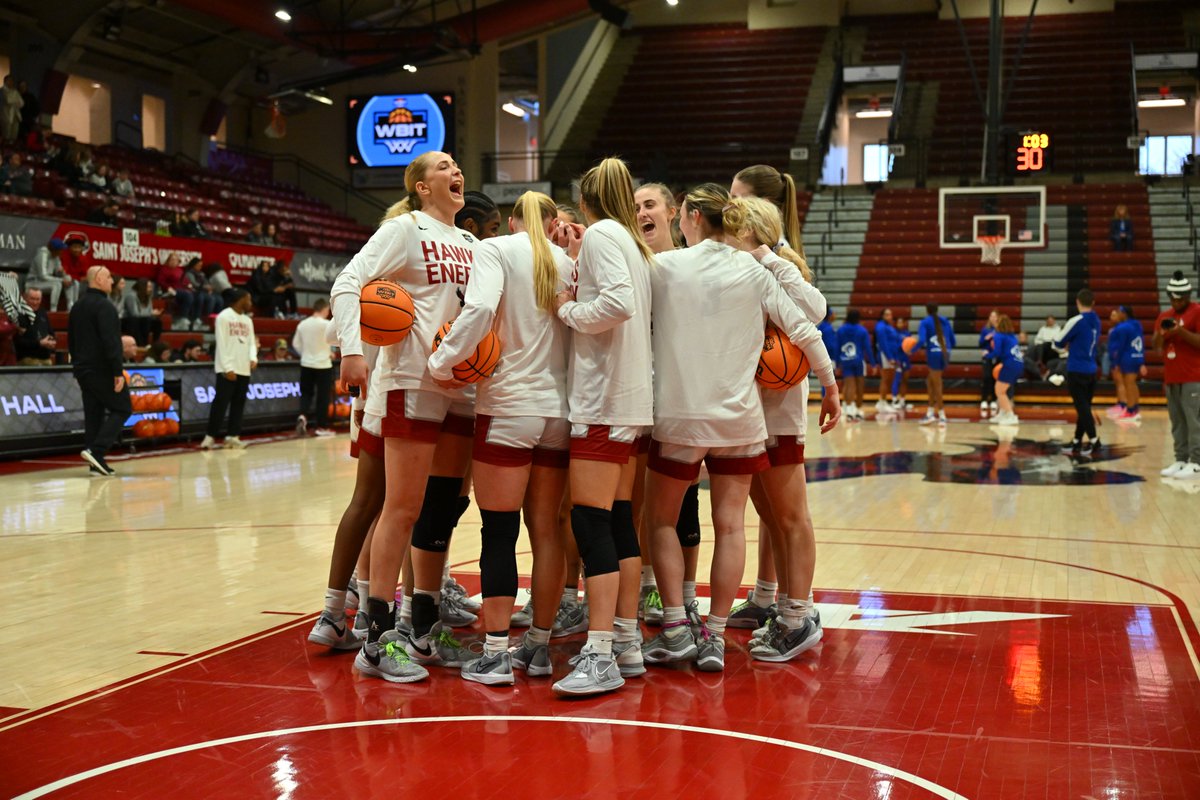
x=514, y=109
x=672, y=2
x=95, y=86
x=1162, y=102
x=409, y=68
x=873, y=113
x=283, y=16
x=320, y=98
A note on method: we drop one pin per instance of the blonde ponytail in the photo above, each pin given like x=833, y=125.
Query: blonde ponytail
x=759, y=220
x=767, y=182
x=607, y=189
x=791, y=214
x=532, y=210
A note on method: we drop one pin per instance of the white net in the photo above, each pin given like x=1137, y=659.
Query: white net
x=990, y=247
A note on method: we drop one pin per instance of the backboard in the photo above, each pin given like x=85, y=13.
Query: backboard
x=1016, y=214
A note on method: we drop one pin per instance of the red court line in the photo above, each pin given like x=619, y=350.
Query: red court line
x=11, y=710
x=158, y=653
x=285, y=613
x=1070, y=539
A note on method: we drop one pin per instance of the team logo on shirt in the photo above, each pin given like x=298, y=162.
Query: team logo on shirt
x=850, y=351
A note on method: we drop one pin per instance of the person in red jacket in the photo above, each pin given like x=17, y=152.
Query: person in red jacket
x=76, y=261
x=173, y=283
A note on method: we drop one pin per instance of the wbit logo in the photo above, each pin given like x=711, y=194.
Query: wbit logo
x=401, y=129
x=391, y=130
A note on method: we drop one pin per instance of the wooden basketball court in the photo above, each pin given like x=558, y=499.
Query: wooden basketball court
x=1001, y=621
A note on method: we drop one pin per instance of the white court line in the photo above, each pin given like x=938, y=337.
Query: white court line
x=907, y=777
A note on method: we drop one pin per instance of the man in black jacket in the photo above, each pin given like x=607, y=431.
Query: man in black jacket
x=95, y=344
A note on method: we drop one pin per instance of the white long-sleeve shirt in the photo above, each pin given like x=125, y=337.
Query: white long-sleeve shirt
x=710, y=303
x=433, y=262
x=609, y=379
x=309, y=341
x=237, y=347
x=531, y=379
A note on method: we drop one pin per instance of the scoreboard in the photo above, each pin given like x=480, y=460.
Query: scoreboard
x=1029, y=152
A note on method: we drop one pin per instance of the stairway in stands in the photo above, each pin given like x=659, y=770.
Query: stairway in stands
x=834, y=232
x=1173, y=248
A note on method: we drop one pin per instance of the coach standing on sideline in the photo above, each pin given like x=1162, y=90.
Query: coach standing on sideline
x=1178, y=331
x=95, y=345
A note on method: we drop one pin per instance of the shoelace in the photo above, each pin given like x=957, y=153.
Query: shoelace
x=396, y=652
x=447, y=639
x=654, y=599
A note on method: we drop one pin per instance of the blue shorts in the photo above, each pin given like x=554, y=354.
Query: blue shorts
x=852, y=369
x=1130, y=367
x=935, y=361
x=1010, y=373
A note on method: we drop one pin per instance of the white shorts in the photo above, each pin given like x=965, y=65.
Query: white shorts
x=885, y=362
x=518, y=441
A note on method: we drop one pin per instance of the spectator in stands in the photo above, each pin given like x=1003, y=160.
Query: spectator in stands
x=987, y=399
x=218, y=278
x=191, y=225
x=8, y=333
x=122, y=186
x=204, y=300
x=16, y=178
x=75, y=262
x=255, y=234
x=172, y=284
x=35, y=140
x=129, y=349
x=96, y=360
x=1177, y=332
x=98, y=180
x=261, y=289
x=479, y=215
x=86, y=165
x=280, y=351
x=193, y=351
x=106, y=213
x=177, y=223
x=159, y=353
x=270, y=236
x=235, y=359
x=46, y=273
x=284, y=289
x=35, y=343
x=141, y=319
x=10, y=116
x=117, y=295
x=316, y=367
x=1120, y=230
x=1043, y=342
x=30, y=111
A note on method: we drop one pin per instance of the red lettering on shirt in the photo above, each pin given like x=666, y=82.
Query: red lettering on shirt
x=429, y=251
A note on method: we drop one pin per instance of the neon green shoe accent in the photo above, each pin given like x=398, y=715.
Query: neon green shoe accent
x=654, y=599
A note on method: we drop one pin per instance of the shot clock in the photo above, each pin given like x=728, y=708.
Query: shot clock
x=1030, y=152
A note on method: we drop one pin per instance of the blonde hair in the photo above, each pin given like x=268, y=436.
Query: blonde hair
x=413, y=174
x=710, y=200
x=532, y=210
x=607, y=189
x=757, y=218
x=778, y=187
x=672, y=206
x=661, y=188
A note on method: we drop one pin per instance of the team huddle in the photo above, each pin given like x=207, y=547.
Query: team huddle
x=591, y=369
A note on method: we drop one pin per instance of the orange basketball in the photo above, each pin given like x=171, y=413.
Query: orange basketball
x=164, y=401
x=172, y=427
x=141, y=428
x=996, y=371
x=139, y=402
x=909, y=343
x=386, y=313
x=343, y=410
x=481, y=364
x=781, y=364
x=161, y=428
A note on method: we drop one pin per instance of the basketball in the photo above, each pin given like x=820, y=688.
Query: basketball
x=996, y=371
x=781, y=364
x=481, y=364
x=386, y=313
x=909, y=343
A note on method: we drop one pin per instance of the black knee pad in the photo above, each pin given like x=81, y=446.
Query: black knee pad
x=593, y=535
x=464, y=502
x=624, y=532
x=688, y=526
x=439, y=513
x=498, y=556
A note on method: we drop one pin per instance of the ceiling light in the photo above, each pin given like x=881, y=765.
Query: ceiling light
x=1162, y=102
x=283, y=16
x=514, y=109
x=95, y=86
x=873, y=113
x=672, y=2
x=320, y=98
x=409, y=68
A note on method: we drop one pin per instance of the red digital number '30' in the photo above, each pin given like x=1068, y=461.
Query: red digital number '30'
x=1029, y=159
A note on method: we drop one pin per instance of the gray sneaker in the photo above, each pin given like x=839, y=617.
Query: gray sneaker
x=784, y=644
x=695, y=623
x=490, y=670
x=593, y=674
x=402, y=626
x=524, y=617
x=453, y=587
x=439, y=647
x=748, y=615
x=572, y=618
x=668, y=649
x=451, y=612
x=710, y=654
x=628, y=656
x=326, y=631
x=650, y=609
x=362, y=623
x=388, y=659
x=763, y=630
x=533, y=658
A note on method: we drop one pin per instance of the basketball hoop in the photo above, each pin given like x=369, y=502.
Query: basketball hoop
x=990, y=247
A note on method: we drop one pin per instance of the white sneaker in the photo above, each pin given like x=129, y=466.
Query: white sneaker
x=1057, y=380
x=983, y=408
x=882, y=406
x=325, y=432
x=593, y=673
x=1007, y=418
x=994, y=406
x=235, y=443
x=208, y=443
x=941, y=418
x=1189, y=472
x=1173, y=470
x=327, y=632
x=928, y=419
x=301, y=425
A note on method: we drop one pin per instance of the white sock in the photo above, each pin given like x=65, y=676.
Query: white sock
x=446, y=571
x=495, y=645
x=672, y=617
x=406, y=609
x=363, y=592
x=782, y=599
x=538, y=635
x=335, y=604
x=689, y=592
x=570, y=595
x=647, y=577
x=716, y=625
x=625, y=630
x=764, y=593
x=793, y=613
x=600, y=642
